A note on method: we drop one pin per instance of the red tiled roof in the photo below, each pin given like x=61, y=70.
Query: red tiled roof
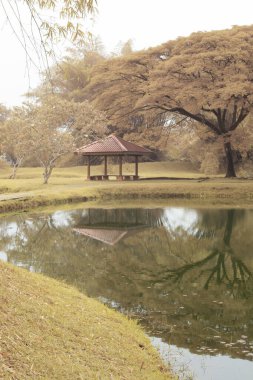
x=111, y=145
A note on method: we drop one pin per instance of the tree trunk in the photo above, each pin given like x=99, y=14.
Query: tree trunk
x=14, y=171
x=230, y=170
x=229, y=227
x=47, y=173
x=15, y=168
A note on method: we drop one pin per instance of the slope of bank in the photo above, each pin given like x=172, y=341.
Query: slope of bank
x=51, y=331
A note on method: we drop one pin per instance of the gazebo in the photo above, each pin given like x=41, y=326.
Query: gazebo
x=112, y=146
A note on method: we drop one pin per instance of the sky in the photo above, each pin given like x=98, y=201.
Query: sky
x=146, y=22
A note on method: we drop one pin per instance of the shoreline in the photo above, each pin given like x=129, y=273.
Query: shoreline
x=158, y=182
x=214, y=192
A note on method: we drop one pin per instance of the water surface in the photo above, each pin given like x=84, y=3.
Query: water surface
x=185, y=273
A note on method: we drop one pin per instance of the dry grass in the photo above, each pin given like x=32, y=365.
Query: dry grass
x=68, y=185
x=51, y=331
x=78, y=174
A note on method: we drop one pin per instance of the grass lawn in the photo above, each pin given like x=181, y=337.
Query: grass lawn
x=49, y=330
x=69, y=185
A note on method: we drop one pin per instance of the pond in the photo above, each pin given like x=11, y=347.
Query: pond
x=185, y=273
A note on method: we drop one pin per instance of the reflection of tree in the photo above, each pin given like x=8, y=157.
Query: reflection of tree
x=33, y=241
x=225, y=268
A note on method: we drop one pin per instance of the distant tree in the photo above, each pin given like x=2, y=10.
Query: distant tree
x=123, y=48
x=70, y=76
x=89, y=124
x=85, y=71
x=3, y=117
x=15, y=139
x=4, y=112
x=127, y=47
x=91, y=45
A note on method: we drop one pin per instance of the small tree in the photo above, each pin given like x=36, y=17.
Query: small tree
x=49, y=144
x=16, y=139
x=50, y=133
x=58, y=126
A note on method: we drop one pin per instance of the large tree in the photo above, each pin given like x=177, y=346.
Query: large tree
x=206, y=77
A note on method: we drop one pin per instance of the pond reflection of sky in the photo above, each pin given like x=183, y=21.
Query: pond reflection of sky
x=205, y=367
x=63, y=218
x=3, y=256
x=12, y=229
x=173, y=218
x=180, y=218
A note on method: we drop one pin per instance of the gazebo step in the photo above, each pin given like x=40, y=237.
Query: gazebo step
x=117, y=177
x=127, y=177
x=99, y=177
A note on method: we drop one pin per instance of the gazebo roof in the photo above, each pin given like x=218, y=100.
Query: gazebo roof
x=112, y=145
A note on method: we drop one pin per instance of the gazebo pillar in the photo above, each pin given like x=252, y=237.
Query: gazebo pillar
x=120, y=177
x=105, y=169
x=136, y=176
x=88, y=169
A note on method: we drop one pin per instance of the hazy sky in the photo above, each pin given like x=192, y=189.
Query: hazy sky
x=146, y=22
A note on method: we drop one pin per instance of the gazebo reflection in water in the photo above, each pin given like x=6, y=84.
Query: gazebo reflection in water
x=112, y=225
x=112, y=146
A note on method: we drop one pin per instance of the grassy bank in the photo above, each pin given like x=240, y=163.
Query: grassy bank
x=68, y=185
x=51, y=331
